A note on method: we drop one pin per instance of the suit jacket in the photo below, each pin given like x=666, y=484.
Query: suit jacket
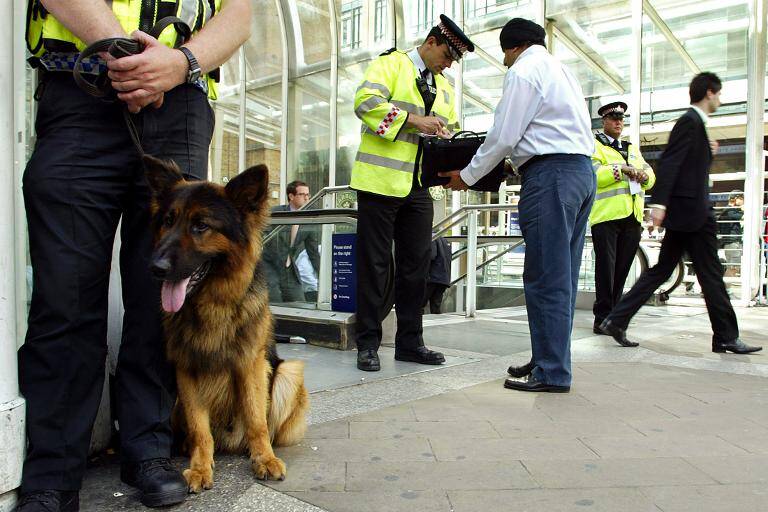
x=277, y=250
x=682, y=177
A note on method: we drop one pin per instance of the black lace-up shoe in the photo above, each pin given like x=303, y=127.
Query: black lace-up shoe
x=368, y=360
x=49, y=501
x=421, y=355
x=617, y=333
x=160, y=483
x=521, y=371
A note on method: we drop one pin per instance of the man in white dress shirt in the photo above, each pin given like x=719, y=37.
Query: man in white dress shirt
x=542, y=124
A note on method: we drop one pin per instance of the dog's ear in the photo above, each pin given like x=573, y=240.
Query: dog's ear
x=162, y=175
x=248, y=190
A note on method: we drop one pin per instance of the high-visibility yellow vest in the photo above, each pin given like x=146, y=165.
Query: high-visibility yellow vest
x=46, y=34
x=386, y=159
x=613, y=200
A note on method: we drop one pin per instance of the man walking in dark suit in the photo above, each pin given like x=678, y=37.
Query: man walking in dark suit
x=281, y=252
x=681, y=203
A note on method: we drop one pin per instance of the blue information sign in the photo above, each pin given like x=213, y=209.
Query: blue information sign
x=344, y=273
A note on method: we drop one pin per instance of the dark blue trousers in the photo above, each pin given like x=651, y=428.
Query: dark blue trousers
x=555, y=201
x=83, y=177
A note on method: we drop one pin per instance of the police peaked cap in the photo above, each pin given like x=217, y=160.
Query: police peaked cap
x=518, y=31
x=616, y=108
x=458, y=42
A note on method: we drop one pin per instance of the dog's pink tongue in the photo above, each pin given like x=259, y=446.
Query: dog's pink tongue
x=173, y=294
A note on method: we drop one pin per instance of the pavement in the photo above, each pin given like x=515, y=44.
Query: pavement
x=668, y=426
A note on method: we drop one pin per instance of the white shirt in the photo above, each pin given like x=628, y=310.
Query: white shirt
x=542, y=111
x=419, y=63
x=611, y=139
x=704, y=117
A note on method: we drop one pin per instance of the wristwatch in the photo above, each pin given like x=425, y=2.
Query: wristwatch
x=194, y=71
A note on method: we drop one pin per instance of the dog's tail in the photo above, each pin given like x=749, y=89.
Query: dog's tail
x=288, y=405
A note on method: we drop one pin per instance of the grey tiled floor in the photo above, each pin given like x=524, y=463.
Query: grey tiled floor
x=668, y=426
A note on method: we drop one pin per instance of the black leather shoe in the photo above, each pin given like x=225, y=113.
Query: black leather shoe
x=49, y=501
x=533, y=384
x=617, y=333
x=368, y=360
x=521, y=371
x=160, y=483
x=736, y=346
x=421, y=355
x=596, y=328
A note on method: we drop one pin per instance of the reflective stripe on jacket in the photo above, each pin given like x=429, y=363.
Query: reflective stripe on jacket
x=386, y=159
x=613, y=200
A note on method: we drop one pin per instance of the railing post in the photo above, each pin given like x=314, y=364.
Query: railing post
x=471, y=263
x=326, y=251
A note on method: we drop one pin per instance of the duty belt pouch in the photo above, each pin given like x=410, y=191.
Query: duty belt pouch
x=443, y=155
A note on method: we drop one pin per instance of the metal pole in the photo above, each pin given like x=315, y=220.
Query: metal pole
x=333, y=100
x=755, y=158
x=12, y=407
x=471, y=263
x=241, y=143
x=284, y=99
x=636, y=70
x=324, y=275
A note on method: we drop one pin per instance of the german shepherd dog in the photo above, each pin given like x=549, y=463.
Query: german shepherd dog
x=234, y=393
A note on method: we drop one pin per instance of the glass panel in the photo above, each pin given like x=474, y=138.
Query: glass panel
x=223, y=156
x=264, y=108
x=421, y=15
x=595, y=43
x=313, y=43
x=309, y=136
x=365, y=32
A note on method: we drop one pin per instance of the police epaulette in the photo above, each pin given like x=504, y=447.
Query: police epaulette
x=388, y=52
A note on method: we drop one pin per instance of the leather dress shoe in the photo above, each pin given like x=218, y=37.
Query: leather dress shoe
x=534, y=384
x=521, y=371
x=49, y=501
x=368, y=360
x=160, y=483
x=596, y=328
x=736, y=346
x=421, y=355
x=617, y=333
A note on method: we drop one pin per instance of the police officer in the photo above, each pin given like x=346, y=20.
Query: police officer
x=622, y=176
x=402, y=96
x=84, y=176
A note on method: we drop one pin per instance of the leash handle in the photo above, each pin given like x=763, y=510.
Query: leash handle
x=119, y=47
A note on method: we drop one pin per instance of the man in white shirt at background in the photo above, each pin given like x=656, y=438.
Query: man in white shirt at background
x=543, y=125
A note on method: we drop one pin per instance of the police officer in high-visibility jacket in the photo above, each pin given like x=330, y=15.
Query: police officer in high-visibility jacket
x=402, y=97
x=622, y=176
x=83, y=178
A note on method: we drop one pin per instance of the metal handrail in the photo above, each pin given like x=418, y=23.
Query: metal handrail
x=324, y=192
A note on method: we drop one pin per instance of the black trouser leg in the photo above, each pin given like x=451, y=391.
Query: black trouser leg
x=672, y=247
x=413, y=228
x=604, y=236
x=702, y=247
x=180, y=130
x=72, y=197
x=375, y=230
x=627, y=242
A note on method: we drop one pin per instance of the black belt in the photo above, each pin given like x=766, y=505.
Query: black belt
x=539, y=158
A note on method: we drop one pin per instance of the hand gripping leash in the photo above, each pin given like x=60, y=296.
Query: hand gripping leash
x=101, y=86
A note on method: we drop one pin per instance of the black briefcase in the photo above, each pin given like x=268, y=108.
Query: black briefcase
x=441, y=155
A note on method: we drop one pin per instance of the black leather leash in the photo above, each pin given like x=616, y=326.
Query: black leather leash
x=101, y=86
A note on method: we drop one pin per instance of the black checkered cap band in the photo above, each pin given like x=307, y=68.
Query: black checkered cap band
x=457, y=47
x=615, y=110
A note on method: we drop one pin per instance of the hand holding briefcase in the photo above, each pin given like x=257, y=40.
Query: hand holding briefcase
x=443, y=155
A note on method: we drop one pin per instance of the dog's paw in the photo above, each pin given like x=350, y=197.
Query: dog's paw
x=269, y=469
x=198, y=479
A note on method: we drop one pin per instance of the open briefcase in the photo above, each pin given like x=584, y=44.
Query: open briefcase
x=442, y=155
